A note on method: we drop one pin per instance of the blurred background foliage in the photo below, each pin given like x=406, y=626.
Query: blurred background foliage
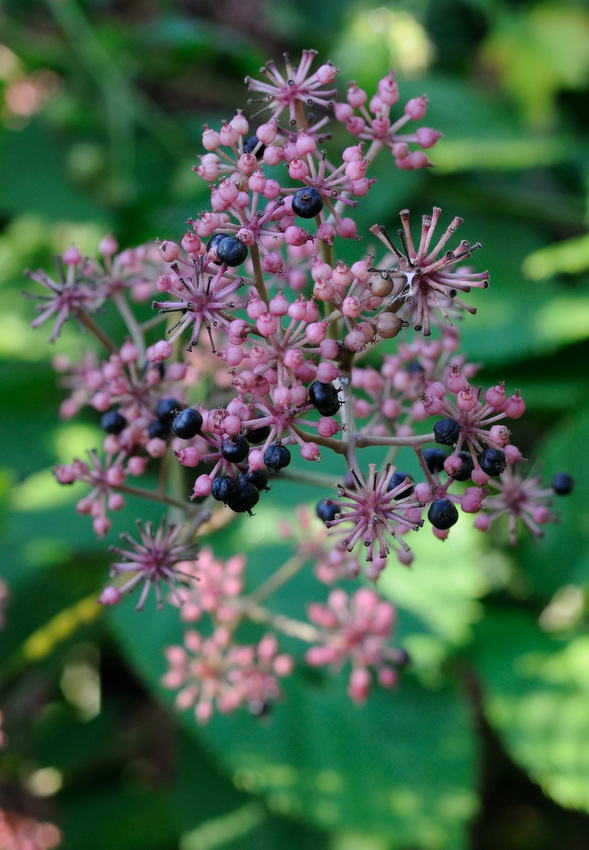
x=485, y=742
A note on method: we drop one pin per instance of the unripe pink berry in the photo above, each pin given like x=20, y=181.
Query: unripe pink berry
x=295, y=235
x=355, y=125
x=161, y=351
x=346, y=228
x=416, y=108
x=282, y=397
x=359, y=685
x=232, y=425
x=136, y=465
x=326, y=73
x=495, y=396
x=169, y=251
x=156, y=447
x=514, y=407
x=499, y=435
x=316, y=332
x=239, y=123
x=380, y=125
x=310, y=451
x=256, y=459
x=115, y=502
x=472, y=500
x=210, y=139
x=466, y=400
x=267, y=133
x=297, y=310
x=327, y=427
x=298, y=169
x=299, y=395
x=279, y=305
x=343, y=112
x=326, y=372
x=267, y=324
x=228, y=135
x=356, y=96
x=513, y=454
x=129, y=352
x=101, y=525
x=482, y=522
x=202, y=486
x=273, y=155
x=479, y=477
x=329, y=349
x=189, y=456
x=108, y=245
x=110, y=596
x=388, y=89
x=427, y=137
x=326, y=233
x=424, y=493
x=71, y=256
x=418, y=160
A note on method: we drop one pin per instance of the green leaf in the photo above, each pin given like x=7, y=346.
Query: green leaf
x=535, y=695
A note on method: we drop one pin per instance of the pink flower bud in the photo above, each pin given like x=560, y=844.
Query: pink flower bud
x=514, y=406
x=310, y=451
x=190, y=456
x=416, y=108
x=202, y=486
x=356, y=96
x=169, y=251
x=359, y=685
x=110, y=596
x=161, y=351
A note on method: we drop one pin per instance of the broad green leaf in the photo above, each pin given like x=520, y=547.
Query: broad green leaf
x=536, y=696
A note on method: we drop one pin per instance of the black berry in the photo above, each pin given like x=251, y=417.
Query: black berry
x=235, y=449
x=231, y=251
x=434, y=459
x=223, y=488
x=158, y=428
x=167, y=409
x=276, y=456
x=113, y=422
x=324, y=397
x=446, y=431
x=562, y=483
x=246, y=496
x=307, y=202
x=257, y=477
x=187, y=424
x=466, y=469
x=397, y=479
x=258, y=435
x=213, y=243
x=326, y=512
x=249, y=146
x=443, y=514
x=492, y=461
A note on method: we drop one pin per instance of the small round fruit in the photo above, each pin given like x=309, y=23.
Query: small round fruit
x=255, y=436
x=397, y=479
x=307, y=202
x=158, y=428
x=562, y=483
x=235, y=449
x=276, y=456
x=434, y=459
x=223, y=488
x=249, y=146
x=446, y=431
x=442, y=514
x=187, y=424
x=257, y=477
x=231, y=251
x=466, y=469
x=246, y=496
x=113, y=422
x=167, y=409
x=492, y=461
x=324, y=397
x=326, y=512
x=213, y=244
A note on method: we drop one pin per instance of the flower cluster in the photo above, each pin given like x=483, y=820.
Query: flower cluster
x=263, y=351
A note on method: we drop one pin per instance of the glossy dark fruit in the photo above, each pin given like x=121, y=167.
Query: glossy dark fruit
x=562, y=483
x=466, y=469
x=159, y=429
x=326, y=512
x=235, y=449
x=397, y=479
x=257, y=477
x=187, y=424
x=213, y=243
x=446, y=431
x=167, y=409
x=246, y=496
x=324, y=397
x=249, y=146
x=231, y=251
x=434, y=459
x=276, y=456
x=223, y=488
x=307, y=202
x=492, y=461
x=255, y=436
x=443, y=514
x=113, y=422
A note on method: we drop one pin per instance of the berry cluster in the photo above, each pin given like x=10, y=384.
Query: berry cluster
x=253, y=359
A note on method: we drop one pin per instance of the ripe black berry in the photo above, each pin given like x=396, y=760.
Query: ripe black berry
x=235, y=449
x=223, y=488
x=446, y=431
x=434, y=459
x=397, y=479
x=307, y=202
x=257, y=477
x=113, y=422
x=249, y=145
x=246, y=496
x=276, y=456
x=231, y=251
x=158, y=428
x=167, y=409
x=562, y=483
x=324, y=397
x=187, y=424
x=213, y=244
x=466, y=469
x=326, y=512
x=492, y=461
x=258, y=435
x=442, y=514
